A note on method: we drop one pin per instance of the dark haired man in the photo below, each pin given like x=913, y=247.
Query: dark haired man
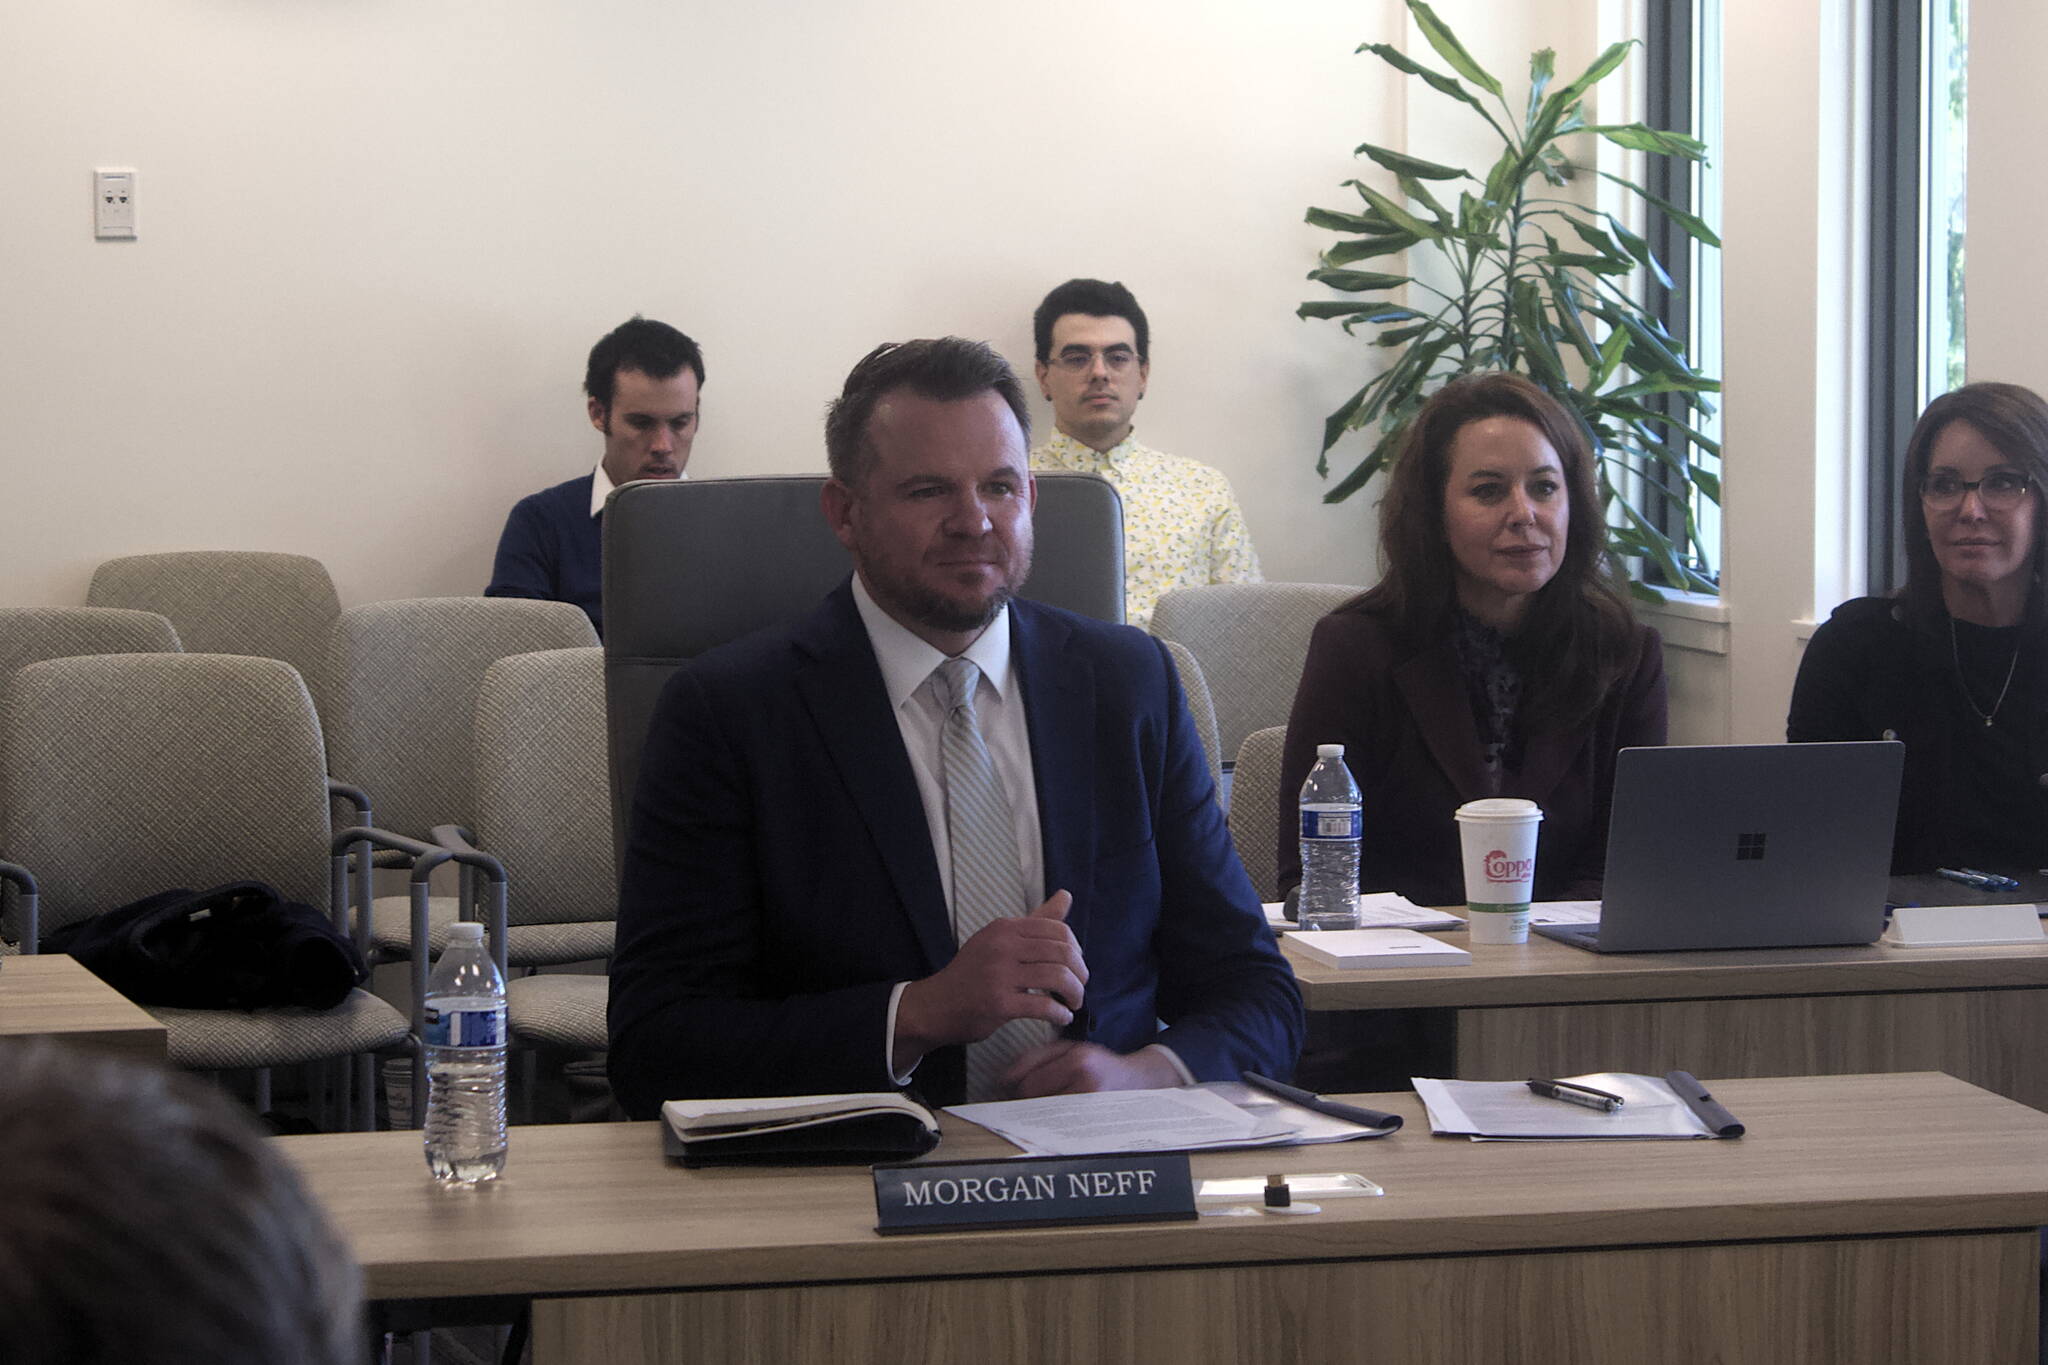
x=1182, y=526
x=642, y=381
x=934, y=834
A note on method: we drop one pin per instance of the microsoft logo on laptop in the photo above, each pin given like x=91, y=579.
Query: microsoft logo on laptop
x=1749, y=848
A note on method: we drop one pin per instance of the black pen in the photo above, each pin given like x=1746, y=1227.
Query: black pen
x=1336, y=1109
x=1571, y=1092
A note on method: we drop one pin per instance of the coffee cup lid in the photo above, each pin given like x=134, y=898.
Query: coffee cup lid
x=1500, y=808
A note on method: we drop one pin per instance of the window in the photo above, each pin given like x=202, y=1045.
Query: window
x=1683, y=93
x=1918, y=81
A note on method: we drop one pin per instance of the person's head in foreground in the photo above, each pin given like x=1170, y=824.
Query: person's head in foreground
x=148, y=1221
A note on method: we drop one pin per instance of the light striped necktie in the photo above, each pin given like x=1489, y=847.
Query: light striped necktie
x=988, y=880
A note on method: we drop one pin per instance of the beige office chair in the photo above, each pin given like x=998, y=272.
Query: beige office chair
x=1196, y=690
x=542, y=808
x=128, y=774
x=1251, y=639
x=257, y=602
x=29, y=635
x=402, y=713
x=1255, y=808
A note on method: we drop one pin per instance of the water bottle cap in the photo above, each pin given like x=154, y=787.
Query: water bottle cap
x=1329, y=751
x=465, y=931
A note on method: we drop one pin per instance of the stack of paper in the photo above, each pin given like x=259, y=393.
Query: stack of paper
x=1652, y=1107
x=1377, y=948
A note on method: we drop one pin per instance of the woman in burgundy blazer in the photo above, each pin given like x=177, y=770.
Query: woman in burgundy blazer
x=1496, y=657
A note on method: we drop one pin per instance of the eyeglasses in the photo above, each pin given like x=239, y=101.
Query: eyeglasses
x=2000, y=490
x=1115, y=359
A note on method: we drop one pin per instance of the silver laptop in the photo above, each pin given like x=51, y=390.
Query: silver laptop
x=1746, y=846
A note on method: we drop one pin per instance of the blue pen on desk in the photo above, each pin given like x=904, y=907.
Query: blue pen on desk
x=1983, y=881
x=1993, y=881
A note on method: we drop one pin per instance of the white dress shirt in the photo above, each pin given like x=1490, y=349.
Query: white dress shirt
x=907, y=663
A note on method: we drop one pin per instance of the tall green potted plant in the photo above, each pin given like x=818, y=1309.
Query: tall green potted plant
x=1538, y=283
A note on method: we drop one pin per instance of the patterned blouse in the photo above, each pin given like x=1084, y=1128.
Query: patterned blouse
x=1182, y=525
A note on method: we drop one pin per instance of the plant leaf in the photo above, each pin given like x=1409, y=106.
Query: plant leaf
x=1419, y=192
x=1449, y=48
x=1640, y=249
x=1401, y=61
x=1694, y=227
x=1357, y=312
x=1336, y=424
x=1357, y=281
x=1394, y=213
x=1400, y=163
x=1641, y=137
x=1542, y=66
x=1371, y=225
x=1603, y=66
x=1363, y=248
x=1501, y=179
x=1394, y=336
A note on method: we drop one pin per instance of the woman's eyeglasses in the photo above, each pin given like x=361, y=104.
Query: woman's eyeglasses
x=1999, y=491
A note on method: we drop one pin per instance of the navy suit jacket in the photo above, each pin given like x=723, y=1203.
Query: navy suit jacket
x=779, y=878
x=552, y=549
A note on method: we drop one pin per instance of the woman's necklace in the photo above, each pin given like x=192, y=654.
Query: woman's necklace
x=1956, y=653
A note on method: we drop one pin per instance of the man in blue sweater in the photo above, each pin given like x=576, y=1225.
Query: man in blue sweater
x=642, y=379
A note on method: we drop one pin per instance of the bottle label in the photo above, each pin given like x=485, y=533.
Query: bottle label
x=465, y=1028
x=1332, y=824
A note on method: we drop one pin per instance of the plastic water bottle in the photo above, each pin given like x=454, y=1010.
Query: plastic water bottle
x=465, y=1042
x=1331, y=822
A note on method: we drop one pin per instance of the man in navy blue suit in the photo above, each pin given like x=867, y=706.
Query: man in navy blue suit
x=641, y=385
x=822, y=806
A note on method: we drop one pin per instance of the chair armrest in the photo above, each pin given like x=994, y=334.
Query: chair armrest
x=454, y=838
x=425, y=858
x=25, y=883
x=356, y=797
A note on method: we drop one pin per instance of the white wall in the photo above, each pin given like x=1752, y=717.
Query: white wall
x=377, y=238
x=2007, y=295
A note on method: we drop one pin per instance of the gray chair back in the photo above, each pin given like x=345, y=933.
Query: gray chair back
x=1255, y=808
x=1251, y=639
x=541, y=801
x=690, y=565
x=127, y=774
x=402, y=710
x=271, y=605
x=1200, y=706
x=31, y=634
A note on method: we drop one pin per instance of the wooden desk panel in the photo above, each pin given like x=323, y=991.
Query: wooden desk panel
x=1884, y=1186
x=1543, y=1008
x=1893, y=1301
x=51, y=996
x=1544, y=972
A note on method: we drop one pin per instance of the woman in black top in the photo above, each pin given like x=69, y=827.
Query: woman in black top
x=1955, y=664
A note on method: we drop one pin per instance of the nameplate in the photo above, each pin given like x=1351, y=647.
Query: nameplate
x=1957, y=926
x=1034, y=1192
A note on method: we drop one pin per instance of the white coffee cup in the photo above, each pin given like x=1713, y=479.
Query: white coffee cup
x=1498, y=837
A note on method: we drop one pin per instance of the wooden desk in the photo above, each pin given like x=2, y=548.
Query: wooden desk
x=1869, y=1219
x=1543, y=1008
x=51, y=996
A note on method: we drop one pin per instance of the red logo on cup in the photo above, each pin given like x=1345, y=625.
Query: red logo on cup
x=1501, y=868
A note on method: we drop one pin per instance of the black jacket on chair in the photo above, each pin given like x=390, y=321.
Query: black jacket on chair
x=239, y=946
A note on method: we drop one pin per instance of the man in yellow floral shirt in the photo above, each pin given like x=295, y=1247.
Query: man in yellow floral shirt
x=1182, y=526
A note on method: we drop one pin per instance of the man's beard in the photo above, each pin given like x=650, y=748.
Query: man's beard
x=930, y=609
